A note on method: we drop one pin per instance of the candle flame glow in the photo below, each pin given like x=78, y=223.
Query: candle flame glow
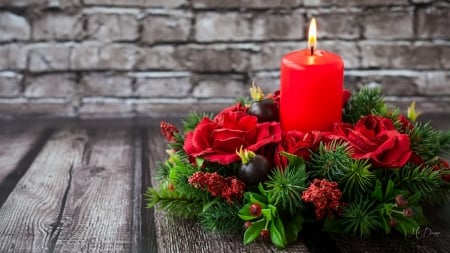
x=312, y=35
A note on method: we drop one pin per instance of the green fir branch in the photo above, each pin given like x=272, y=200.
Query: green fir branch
x=173, y=202
x=425, y=141
x=284, y=188
x=221, y=217
x=193, y=119
x=331, y=161
x=358, y=180
x=361, y=217
x=421, y=180
x=363, y=103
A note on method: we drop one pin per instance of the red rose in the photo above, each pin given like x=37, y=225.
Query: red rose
x=297, y=143
x=217, y=140
x=375, y=138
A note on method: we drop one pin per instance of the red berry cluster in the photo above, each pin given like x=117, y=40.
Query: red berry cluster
x=228, y=188
x=444, y=167
x=168, y=130
x=324, y=195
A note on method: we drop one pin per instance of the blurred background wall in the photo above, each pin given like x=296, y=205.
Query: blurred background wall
x=121, y=58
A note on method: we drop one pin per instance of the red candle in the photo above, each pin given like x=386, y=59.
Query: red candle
x=311, y=88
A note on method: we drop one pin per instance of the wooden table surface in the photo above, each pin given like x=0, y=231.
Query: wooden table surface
x=76, y=186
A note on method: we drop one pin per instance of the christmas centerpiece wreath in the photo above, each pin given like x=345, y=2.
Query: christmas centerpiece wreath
x=238, y=171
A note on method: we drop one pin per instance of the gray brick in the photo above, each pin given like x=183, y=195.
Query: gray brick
x=59, y=26
x=328, y=3
x=64, y=4
x=229, y=86
x=105, y=107
x=167, y=28
x=216, y=58
x=391, y=82
x=216, y=4
x=163, y=58
x=51, y=57
x=166, y=85
x=209, y=26
x=434, y=83
x=13, y=57
x=23, y=3
x=119, y=56
x=270, y=54
x=85, y=56
x=50, y=85
x=400, y=55
x=35, y=108
x=256, y=4
x=278, y=26
x=382, y=23
x=338, y=25
x=445, y=57
x=434, y=22
x=10, y=84
x=137, y=3
x=13, y=27
x=112, y=26
x=106, y=84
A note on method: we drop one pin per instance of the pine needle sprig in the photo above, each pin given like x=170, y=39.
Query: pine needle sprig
x=284, y=188
x=444, y=144
x=221, y=217
x=425, y=140
x=331, y=160
x=193, y=119
x=422, y=180
x=173, y=201
x=363, y=103
x=358, y=180
x=361, y=217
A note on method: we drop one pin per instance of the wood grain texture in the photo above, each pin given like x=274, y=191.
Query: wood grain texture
x=14, y=145
x=175, y=235
x=29, y=217
x=98, y=212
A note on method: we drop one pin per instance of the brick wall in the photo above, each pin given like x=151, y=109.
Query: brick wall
x=139, y=57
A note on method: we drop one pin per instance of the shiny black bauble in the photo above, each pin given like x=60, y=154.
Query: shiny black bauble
x=265, y=110
x=255, y=171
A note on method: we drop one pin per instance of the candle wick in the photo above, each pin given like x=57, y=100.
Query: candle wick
x=312, y=50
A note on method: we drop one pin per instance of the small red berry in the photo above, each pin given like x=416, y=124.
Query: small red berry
x=247, y=224
x=255, y=209
x=401, y=201
x=408, y=212
x=265, y=234
x=393, y=222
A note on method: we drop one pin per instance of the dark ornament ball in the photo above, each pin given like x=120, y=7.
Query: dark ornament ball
x=265, y=110
x=255, y=171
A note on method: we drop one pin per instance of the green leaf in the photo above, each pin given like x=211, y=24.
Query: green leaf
x=245, y=210
x=389, y=190
x=280, y=226
x=276, y=236
x=293, y=227
x=294, y=160
x=199, y=161
x=261, y=189
x=253, y=231
x=377, y=194
x=258, y=198
x=267, y=213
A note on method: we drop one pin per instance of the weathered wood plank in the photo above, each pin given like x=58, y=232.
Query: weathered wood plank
x=29, y=217
x=98, y=212
x=14, y=145
x=178, y=235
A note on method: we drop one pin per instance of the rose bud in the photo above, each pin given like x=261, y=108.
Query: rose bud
x=247, y=224
x=401, y=201
x=408, y=212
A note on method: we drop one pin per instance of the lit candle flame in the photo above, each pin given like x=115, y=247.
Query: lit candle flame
x=312, y=36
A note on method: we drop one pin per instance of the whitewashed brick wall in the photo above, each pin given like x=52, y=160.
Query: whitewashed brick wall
x=115, y=58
